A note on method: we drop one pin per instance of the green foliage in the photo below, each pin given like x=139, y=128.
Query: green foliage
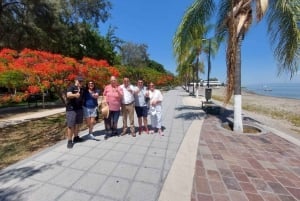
x=57, y=26
x=134, y=55
x=156, y=66
x=12, y=79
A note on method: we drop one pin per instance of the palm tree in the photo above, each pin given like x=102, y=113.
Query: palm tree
x=188, y=45
x=234, y=20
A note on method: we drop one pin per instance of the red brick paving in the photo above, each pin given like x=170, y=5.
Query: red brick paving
x=232, y=167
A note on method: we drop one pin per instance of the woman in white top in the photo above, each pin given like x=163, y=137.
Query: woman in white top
x=156, y=99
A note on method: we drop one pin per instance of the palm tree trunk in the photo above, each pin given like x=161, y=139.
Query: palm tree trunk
x=237, y=119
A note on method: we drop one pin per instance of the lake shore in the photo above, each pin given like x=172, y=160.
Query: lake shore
x=272, y=111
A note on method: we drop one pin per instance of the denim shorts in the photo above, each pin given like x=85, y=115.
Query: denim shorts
x=89, y=112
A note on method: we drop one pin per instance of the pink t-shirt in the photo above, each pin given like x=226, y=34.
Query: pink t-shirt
x=113, y=97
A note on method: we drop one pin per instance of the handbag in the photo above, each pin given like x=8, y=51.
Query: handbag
x=152, y=111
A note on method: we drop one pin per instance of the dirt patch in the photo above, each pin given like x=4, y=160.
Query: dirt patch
x=23, y=140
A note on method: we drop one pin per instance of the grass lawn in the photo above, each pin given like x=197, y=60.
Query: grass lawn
x=22, y=140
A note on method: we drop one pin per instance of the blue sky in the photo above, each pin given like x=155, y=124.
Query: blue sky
x=155, y=22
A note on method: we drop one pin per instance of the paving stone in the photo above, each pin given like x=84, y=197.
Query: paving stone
x=74, y=196
x=217, y=187
x=121, y=147
x=84, y=163
x=241, y=177
x=67, y=178
x=103, y=167
x=154, y=151
x=89, y=183
x=138, y=149
x=149, y=175
x=213, y=175
x=295, y=192
x=237, y=195
x=204, y=197
x=96, y=153
x=248, y=187
x=115, y=188
x=218, y=197
x=254, y=197
x=231, y=183
x=133, y=158
x=278, y=188
x=142, y=191
x=202, y=186
x=269, y=196
x=46, y=192
x=286, y=198
x=153, y=162
x=126, y=171
x=226, y=172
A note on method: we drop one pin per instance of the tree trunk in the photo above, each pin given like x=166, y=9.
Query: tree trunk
x=237, y=119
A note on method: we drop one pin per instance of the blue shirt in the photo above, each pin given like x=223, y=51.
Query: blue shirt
x=89, y=100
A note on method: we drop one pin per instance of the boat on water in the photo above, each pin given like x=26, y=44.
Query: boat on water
x=266, y=88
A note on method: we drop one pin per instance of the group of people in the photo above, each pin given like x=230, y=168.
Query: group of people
x=82, y=103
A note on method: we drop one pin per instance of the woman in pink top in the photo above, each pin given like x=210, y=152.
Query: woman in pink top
x=113, y=96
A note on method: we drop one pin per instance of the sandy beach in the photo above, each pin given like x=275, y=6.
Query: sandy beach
x=266, y=104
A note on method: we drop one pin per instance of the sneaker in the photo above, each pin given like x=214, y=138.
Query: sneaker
x=92, y=137
x=70, y=144
x=77, y=139
x=151, y=131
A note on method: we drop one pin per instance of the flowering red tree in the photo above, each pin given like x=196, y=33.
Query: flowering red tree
x=43, y=70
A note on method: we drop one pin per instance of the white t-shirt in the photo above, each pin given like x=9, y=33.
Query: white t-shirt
x=127, y=95
x=155, y=95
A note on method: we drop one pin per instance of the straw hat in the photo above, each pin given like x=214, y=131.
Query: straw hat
x=105, y=110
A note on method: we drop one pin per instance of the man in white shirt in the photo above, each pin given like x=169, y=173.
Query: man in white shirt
x=127, y=106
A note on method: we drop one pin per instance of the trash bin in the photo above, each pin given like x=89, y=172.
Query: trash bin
x=208, y=94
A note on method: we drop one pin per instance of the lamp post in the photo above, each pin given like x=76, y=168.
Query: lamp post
x=208, y=62
x=208, y=90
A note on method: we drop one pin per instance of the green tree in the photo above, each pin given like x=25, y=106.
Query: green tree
x=49, y=25
x=234, y=20
x=134, y=55
x=190, y=41
x=156, y=66
x=12, y=80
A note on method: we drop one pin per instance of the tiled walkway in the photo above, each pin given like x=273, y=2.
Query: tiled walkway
x=233, y=167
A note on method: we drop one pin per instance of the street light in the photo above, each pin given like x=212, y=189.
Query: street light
x=209, y=64
x=208, y=90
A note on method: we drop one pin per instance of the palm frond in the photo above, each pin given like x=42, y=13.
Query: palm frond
x=283, y=27
x=191, y=28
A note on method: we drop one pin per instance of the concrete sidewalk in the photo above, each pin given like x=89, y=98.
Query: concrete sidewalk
x=120, y=168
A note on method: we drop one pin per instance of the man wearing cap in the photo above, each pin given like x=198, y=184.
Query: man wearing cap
x=74, y=111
